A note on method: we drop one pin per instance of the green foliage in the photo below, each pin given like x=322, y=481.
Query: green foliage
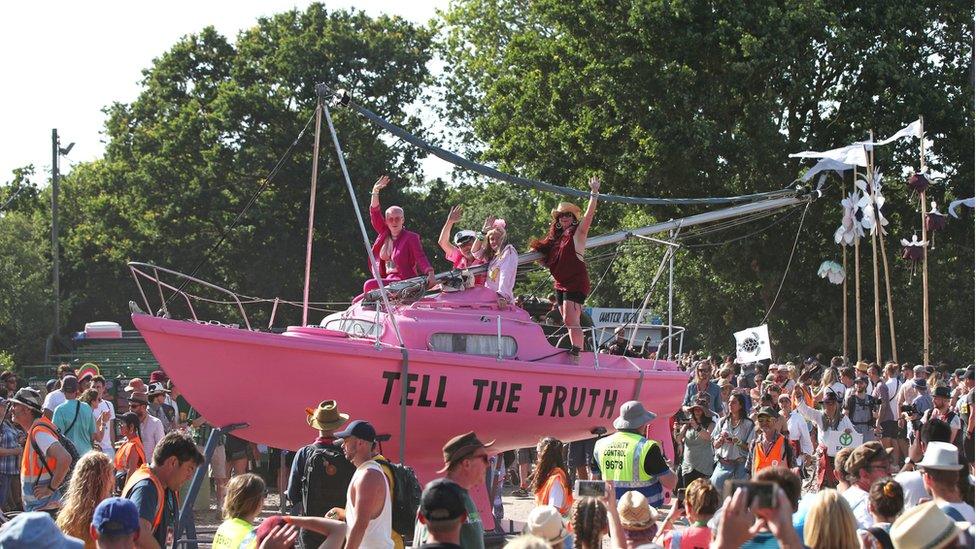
x=692, y=98
x=7, y=361
x=25, y=283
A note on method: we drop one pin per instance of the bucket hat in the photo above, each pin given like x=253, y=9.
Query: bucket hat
x=633, y=415
x=545, y=522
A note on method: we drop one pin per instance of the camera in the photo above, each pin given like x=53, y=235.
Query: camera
x=594, y=488
x=907, y=408
x=758, y=494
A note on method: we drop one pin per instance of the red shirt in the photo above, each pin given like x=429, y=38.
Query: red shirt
x=408, y=254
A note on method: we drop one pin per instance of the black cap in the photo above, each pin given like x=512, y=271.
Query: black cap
x=360, y=429
x=69, y=384
x=830, y=396
x=942, y=391
x=442, y=499
x=766, y=411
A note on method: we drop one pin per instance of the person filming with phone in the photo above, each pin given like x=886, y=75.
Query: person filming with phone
x=617, y=454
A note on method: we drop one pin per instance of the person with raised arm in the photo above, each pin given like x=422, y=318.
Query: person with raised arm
x=398, y=251
x=459, y=252
x=502, y=259
x=562, y=249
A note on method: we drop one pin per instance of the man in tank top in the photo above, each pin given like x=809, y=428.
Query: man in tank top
x=369, y=510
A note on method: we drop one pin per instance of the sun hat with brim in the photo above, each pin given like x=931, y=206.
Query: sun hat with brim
x=635, y=511
x=633, y=416
x=566, y=207
x=461, y=447
x=545, y=522
x=34, y=530
x=925, y=526
x=139, y=398
x=941, y=456
x=136, y=385
x=326, y=417
x=156, y=389
x=861, y=366
x=30, y=397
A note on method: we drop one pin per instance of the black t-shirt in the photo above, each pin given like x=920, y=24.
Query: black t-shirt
x=654, y=463
x=145, y=496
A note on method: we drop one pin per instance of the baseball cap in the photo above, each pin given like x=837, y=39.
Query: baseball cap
x=766, y=411
x=360, y=429
x=33, y=530
x=442, y=499
x=116, y=516
x=69, y=384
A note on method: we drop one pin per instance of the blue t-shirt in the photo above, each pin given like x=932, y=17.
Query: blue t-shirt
x=81, y=430
x=145, y=496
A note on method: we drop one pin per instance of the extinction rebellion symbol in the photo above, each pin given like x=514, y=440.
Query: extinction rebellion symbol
x=845, y=439
x=751, y=344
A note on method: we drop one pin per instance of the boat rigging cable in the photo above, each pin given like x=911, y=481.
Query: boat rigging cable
x=341, y=97
x=789, y=262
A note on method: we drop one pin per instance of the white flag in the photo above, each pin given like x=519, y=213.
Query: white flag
x=752, y=345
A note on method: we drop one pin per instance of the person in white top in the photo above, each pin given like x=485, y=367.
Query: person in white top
x=369, y=510
x=150, y=428
x=799, y=434
x=830, y=420
x=502, y=259
x=867, y=463
x=940, y=473
x=104, y=413
x=56, y=397
x=892, y=436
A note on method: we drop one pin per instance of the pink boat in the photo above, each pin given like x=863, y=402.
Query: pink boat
x=470, y=366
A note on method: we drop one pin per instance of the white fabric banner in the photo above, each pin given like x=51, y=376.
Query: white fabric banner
x=752, y=345
x=855, y=153
x=826, y=165
x=836, y=440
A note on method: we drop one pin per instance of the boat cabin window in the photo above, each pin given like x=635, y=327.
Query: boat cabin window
x=355, y=327
x=474, y=344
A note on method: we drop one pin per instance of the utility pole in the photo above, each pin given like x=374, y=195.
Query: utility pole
x=56, y=153
x=671, y=298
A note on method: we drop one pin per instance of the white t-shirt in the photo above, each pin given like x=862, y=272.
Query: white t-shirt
x=893, y=385
x=151, y=430
x=44, y=440
x=557, y=497
x=858, y=500
x=54, y=399
x=963, y=508
x=98, y=413
x=914, y=488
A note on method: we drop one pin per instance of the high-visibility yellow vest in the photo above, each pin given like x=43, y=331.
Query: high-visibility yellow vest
x=232, y=534
x=621, y=459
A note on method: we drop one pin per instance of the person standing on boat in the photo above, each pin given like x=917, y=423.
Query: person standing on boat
x=460, y=252
x=502, y=259
x=398, y=251
x=562, y=250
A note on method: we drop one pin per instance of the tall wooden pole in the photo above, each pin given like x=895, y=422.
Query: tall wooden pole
x=874, y=250
x=311, y=210
x=925, y=249
x=843, y=248
x=857, y=285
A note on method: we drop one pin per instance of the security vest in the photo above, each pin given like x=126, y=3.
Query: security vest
x=556, y=476
x=232, y=534
x=776, y=455
x=621, y=459
x=31, y=466
x=141, y=474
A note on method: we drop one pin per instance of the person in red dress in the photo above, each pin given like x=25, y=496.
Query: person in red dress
x=562, y=250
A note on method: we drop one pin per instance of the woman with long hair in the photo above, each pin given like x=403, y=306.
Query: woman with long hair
x=731, y=439
x=502, y=260
x=243, y=504
x=830, y=382
x=92, y=480
x=550, y=482
x=696, y=436
x=562, y=251
x=830, y=522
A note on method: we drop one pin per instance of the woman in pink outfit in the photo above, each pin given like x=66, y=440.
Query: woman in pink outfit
x=398, y=251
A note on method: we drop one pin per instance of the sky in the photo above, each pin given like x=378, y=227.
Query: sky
x=64, y=61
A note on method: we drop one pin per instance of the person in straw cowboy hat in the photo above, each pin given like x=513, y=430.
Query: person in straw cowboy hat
x=320, y=473
x=638, y=519
x=562, y=250
x=926, y=526
x=547, y=523
x=616, y=455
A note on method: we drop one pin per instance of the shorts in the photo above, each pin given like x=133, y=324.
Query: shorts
x=890, y=429
x=218, y=463
x=576, y=297
x=581, y=453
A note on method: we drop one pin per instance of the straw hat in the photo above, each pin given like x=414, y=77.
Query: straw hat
x=635, y=511
x=326, y=417
x=545, y=522
x=924, y=525
x=566, y=207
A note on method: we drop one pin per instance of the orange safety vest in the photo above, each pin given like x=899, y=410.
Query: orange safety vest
x=122, y=456
x=776, y=455
x=141, y=474
x=542, y=496
x=31, y=467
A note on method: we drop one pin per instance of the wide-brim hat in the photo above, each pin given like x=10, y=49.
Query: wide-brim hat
x=461, y=447
x=139, y=398
x=566, y=207
x=156, y=389
x=861, y=366
x=924, y=525
x=633, y=415
x=136, y=385
x=941, y=456
x=28, y=396
x=919, y=383
x=545, y=522
x=635, y=511
x=326, y=417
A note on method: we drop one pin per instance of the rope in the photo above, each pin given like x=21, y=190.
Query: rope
x=247, y=206
x=743, y=237
x=493, y=173
x=786, y=271
x=12, y=197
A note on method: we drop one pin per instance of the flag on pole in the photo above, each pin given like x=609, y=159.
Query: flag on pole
x=752, y=345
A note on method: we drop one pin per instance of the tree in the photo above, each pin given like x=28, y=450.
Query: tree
x=694, y=98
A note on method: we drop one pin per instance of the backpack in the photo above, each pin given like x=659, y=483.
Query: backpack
x=405, y=496
x=68, y=446
x=325, y=479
